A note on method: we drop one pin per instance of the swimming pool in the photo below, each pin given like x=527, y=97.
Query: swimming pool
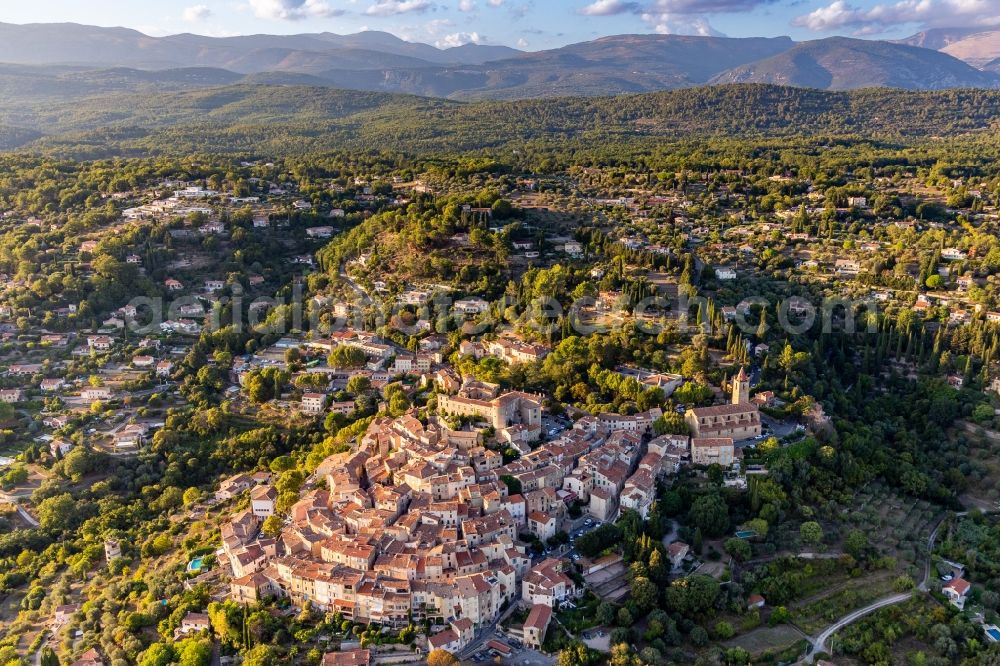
x=745, y=534
x=994, y=634
x=195, y=564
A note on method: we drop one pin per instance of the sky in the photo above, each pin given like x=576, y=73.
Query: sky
x=526, y=24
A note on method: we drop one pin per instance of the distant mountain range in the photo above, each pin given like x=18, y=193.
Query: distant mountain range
x=975, y=46
x=839, y=63
x=70, y=61
x=74, y=44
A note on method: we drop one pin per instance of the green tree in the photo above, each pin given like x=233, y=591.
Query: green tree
x=272, y=526
x=57, y=513
x=811, y=532
x=261, y=655
x=724, y=630
x=692, y=595
x=605, y=613
x=191, y=496
x=578, y=654
x=157, y=654
x=711, y=514
x=346, y=356
x=358, y=384
x=513, y=484
x=856, y=544
x=738, y=548
x=644, y=594
x=48, y=657
x=779, y=615
x=194, y=652
x=77, y=463
x=622, y=655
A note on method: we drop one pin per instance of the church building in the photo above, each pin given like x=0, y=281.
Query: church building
x=739, y=420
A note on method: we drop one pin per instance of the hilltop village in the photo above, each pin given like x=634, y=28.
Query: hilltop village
x=420, y=520
x=397, y=414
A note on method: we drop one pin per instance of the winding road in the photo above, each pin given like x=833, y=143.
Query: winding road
x=16, y=503
x=365, y=297
x=818, y=644
x=27, y=516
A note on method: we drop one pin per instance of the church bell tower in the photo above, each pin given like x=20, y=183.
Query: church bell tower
x=741, y=388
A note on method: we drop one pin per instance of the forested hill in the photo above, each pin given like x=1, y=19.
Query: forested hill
x=261, y=119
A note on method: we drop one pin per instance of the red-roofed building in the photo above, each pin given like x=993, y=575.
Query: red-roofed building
x=89, y=658
x=501, y=649
x=547, y=584
x=956, y=592
x=536, y=624
x=677, y=551
x=446, y=640
x=358, y=657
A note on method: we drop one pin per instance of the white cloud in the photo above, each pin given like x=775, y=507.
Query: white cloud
x=293, y=10
x=196, y=13
x=609, y=8
x=522, y=43
x=672, y=7
x=686, y=17
x=467, y=5
x=394, y=7
x=495, y=3
x=841, y=15
x=708, y=6
x=674, y=24
x=459, y=39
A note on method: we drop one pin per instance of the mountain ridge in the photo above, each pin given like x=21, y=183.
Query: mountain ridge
x=841, y=63
x=381, y=62
x=73, y=43
x=976, y=46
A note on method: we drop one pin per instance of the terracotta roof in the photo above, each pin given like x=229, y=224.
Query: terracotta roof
x=711, y=442
x=960, y=586
x=463, y=624
x=677, y=547
x=725, y=410
x=539, y=617
x=444, y=638
x=357, y=657
x=89, y=658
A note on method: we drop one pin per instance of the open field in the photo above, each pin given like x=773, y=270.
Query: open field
x=766, y=639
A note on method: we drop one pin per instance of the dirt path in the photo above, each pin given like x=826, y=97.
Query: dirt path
x=979, y=430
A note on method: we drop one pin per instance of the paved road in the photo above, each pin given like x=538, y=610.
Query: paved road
x=10, y=499
x=27, y=516
x=925, y=583
x=818, y=644
x=358, y=289
x=485, y=635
